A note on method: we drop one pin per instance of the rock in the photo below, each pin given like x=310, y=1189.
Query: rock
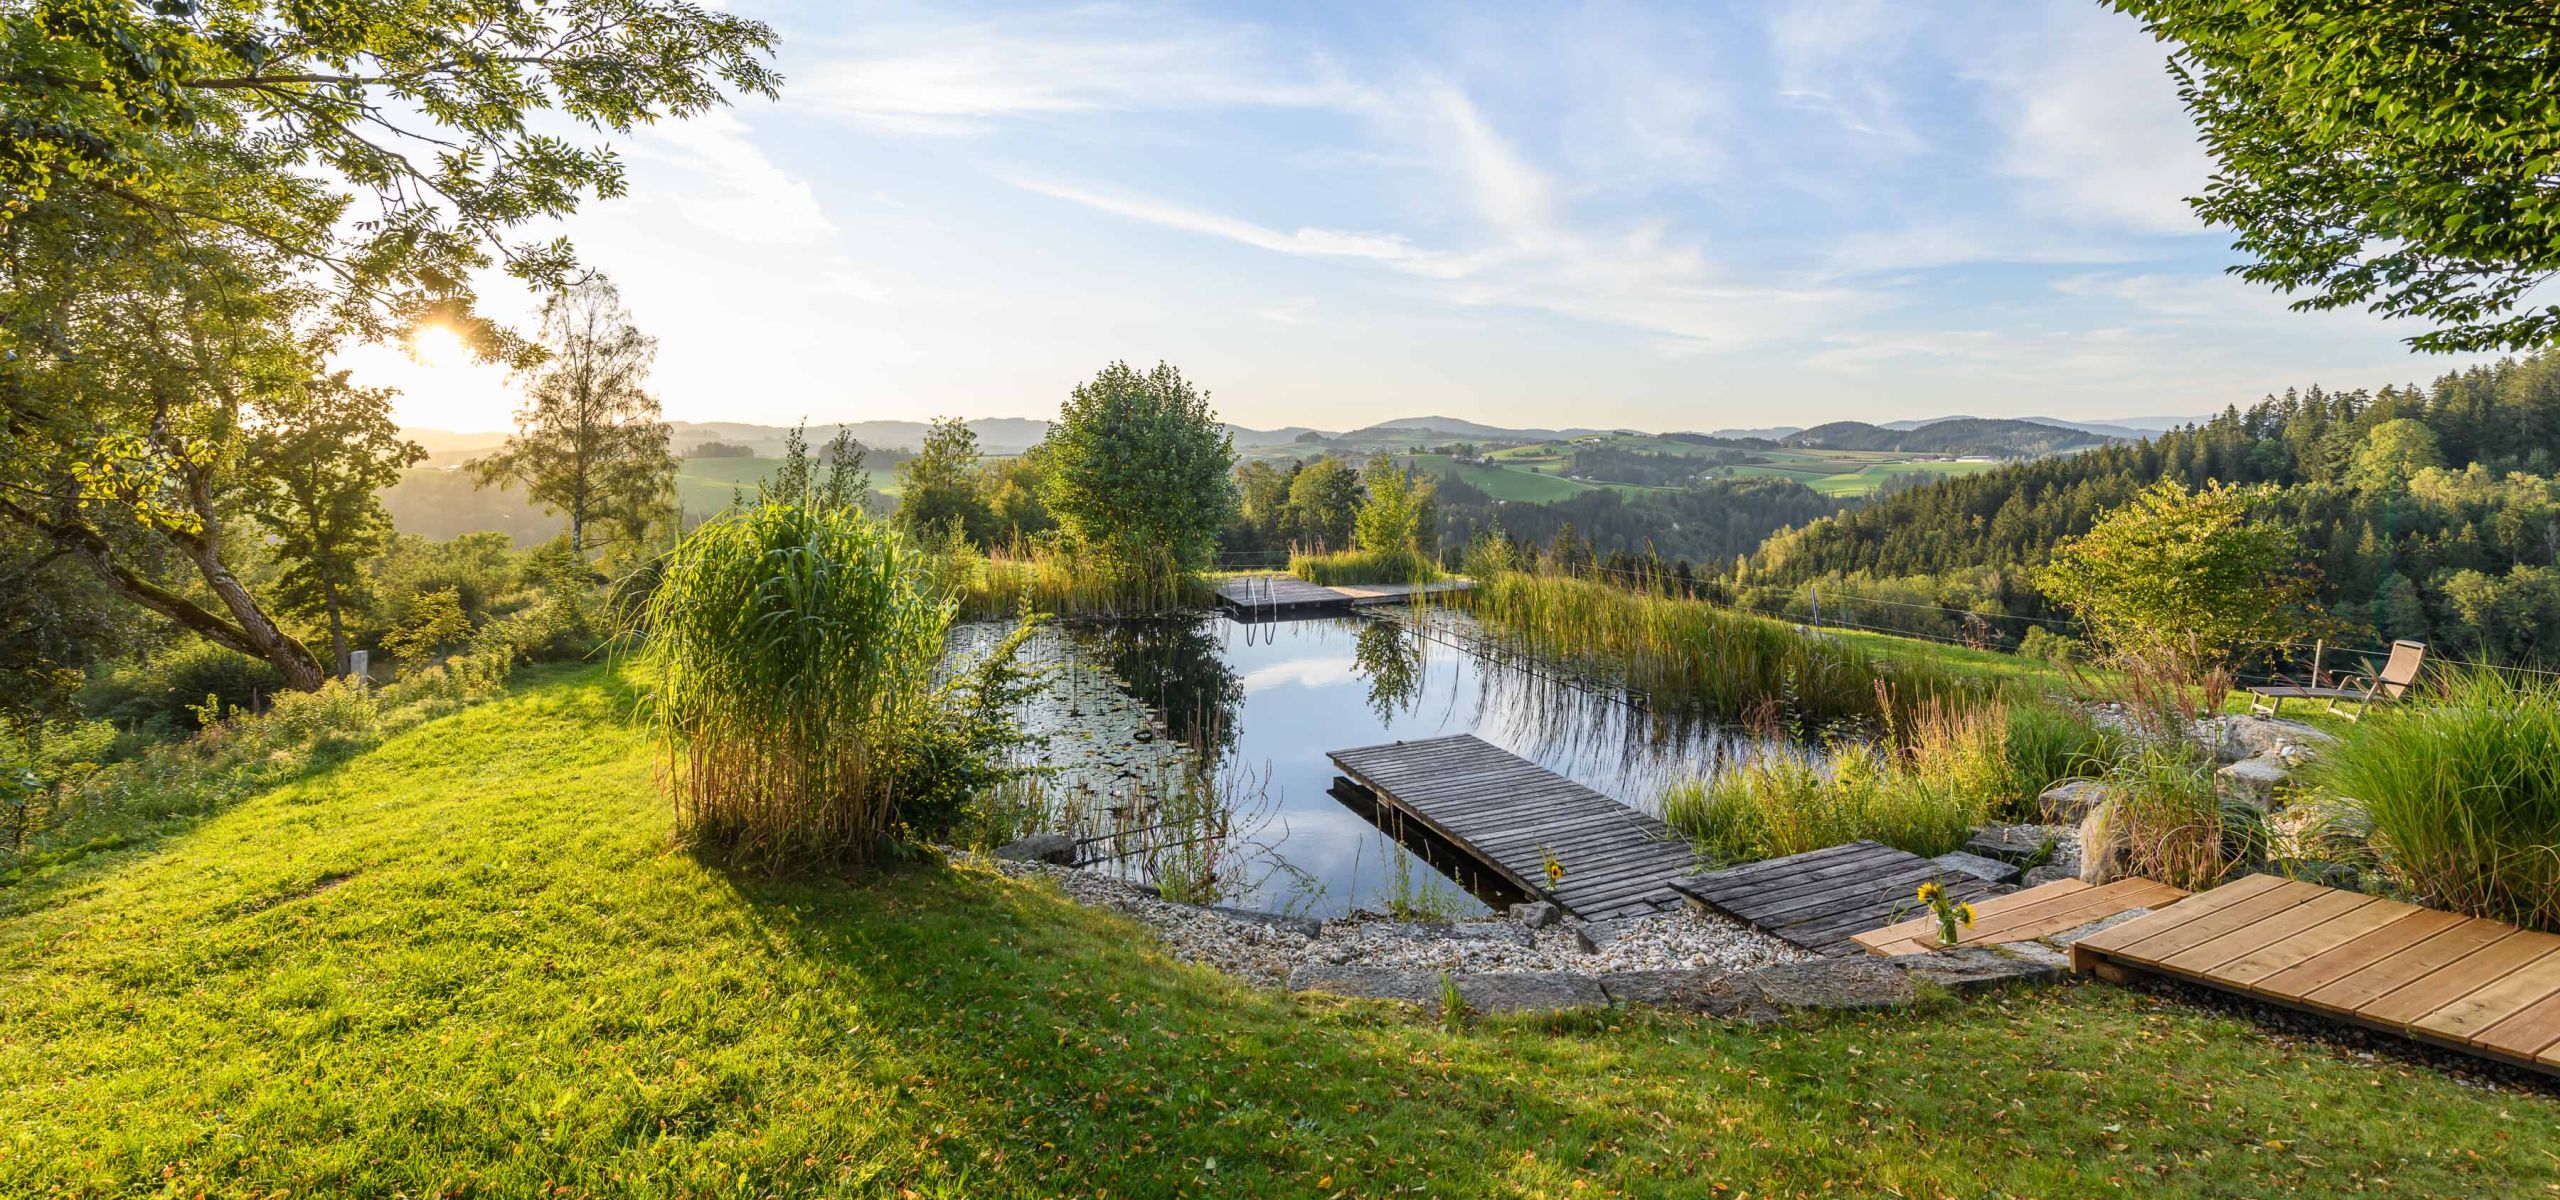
x=2234, y=738
x=2010, y=843
x=1596, y=936
x=1715, y=993
x=1988, y=870
x=1530, y=991
x=2048, y=873
x=2102, y=851
x=1054, y=848
x=1367, y=983
x=2077, y=932
x=2255, y=779
x=1972, y=968
x=2065, y=803
x=1537, y=914
x=2039, y=953
x=1302, y=926
x=1828, y=983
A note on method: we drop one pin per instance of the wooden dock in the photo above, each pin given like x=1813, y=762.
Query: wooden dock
x=2039, y=911
x=1513, y=815
x=2462, y=982
x=1266, y=597
x=1822, y=899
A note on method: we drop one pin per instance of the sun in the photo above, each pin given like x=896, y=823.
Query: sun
x=434, y=345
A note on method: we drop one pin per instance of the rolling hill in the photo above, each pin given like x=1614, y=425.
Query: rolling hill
x=1995, y=437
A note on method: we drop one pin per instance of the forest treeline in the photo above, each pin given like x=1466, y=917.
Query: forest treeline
x=2423, y=511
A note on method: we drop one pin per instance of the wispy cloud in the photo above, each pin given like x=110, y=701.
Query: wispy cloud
x=2093, y=123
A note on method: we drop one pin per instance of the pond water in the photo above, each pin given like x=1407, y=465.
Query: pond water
x=1257, y=705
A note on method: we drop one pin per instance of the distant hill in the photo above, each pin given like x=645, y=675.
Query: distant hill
x=1766, y=433
x=1473, y=429
x=1999, y=437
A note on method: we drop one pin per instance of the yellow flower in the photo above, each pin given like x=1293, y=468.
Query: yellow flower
x=1931, y=893
x=1964, y=913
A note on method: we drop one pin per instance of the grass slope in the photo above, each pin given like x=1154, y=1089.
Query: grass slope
x=468, y=963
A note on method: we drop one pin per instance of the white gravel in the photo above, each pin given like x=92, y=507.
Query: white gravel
x=1263, y=953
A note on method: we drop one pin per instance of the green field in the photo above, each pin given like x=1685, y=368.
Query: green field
x=471, y=962
x=1514, y=484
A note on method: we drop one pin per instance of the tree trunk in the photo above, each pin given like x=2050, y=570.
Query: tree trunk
x=337, y=632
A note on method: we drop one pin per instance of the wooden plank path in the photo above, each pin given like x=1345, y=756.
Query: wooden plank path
x=1398, y=593
x=2047, y=908
x=1510, y=814
x=2461, y=982
x=1822, y=899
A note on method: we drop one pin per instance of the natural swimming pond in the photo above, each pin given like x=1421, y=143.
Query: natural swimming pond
x=1255, y=706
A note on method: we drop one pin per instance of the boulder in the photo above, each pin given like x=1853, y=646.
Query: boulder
x=2065, y=803
x=2011, y=843
x=1529, y=991
x=1595, y=936
x=1302, y=926
x=1715, y=993
x=2048, y=873
x=1830, y=983
x=1054, y=848
x=1972, y=968
x=1537, y=914
x=1988, y=870
x=2256, y=779
x=1367, y=983
x=2103, y=858
x=2233, y=738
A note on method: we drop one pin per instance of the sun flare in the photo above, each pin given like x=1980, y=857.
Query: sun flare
x=433, y=345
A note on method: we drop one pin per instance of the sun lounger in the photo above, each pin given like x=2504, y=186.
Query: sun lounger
x=2390, y=683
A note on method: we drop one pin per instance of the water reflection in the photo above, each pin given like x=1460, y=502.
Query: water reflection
x=1174, y=665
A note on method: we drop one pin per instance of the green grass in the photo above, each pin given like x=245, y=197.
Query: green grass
x=1363, y=566
x=470, y=963
x=1519, y=485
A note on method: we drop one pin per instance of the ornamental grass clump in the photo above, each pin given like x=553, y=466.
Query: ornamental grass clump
x=793, y=650
x=2459, y=785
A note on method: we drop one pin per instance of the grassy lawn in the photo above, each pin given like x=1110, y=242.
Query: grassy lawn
x=1505, y=483
x=469, y=963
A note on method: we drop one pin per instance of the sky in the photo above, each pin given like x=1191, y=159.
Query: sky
x=1653, y=216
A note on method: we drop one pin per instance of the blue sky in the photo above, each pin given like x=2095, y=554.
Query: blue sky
x=1669, y=217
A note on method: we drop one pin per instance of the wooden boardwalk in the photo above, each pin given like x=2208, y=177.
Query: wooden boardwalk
x=2481, y=986
x=1279, y=596
x=1511, y=815
x=1398, y=593
x=1821, y=899
x=2039, y=911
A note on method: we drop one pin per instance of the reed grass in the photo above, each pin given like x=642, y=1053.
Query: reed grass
x=1690, y=658
x=1946, y=769
x=2460, y=787
x=1403, y=565
x=2165, y=821
x=793, y=649
x=1057, y=580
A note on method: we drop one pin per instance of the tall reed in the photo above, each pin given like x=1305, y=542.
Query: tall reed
x=1057, y=580
x=2460, y=785
x=1690, y=658
x=1404, y=565
x=792, y=648
x=1944, y=770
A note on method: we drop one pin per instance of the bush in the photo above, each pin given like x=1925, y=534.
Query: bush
x=794, y=649
x=2165, y=821
x=169, y=691
x=2044, y=645
x=2461, y=790
x=1950, y=773
x=2049, y=742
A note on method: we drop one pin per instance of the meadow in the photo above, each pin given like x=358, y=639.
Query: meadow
x=471, y=961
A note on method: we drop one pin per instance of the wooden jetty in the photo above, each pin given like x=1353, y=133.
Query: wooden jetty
x=1822, y=899
x=1513, y=816
x=2465, y=983
x=1267, y=597
x=2039, y=911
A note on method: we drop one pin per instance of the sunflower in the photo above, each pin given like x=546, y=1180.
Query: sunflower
x=1931, y=893
x=1964, y=913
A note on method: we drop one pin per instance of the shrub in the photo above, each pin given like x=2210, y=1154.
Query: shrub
x=2166, y=820
x=794, y=650
x=2048, y=742
x=170, y=689
x=2044, y=645
x=2460, y=788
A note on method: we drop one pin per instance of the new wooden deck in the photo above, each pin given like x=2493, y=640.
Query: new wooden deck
x=1511, y=814
x=1821, y=899
x=2039, y=911
x=2462, y=982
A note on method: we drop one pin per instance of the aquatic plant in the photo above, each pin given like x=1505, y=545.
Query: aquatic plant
x=1055, y=579
x=1394, y=565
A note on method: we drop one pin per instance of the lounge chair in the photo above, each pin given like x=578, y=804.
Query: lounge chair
x=2390, y=683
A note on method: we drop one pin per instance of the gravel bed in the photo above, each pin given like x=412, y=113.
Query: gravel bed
x=1263, y=953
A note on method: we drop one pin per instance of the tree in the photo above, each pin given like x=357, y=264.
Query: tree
x=2394, y=452
x=588, y=442
x=938, y=489
x=1324, y=501
x=2397, y=156
x=198, y=203
x=324, y=453
x=1014, y=488
x=1138, y=470
x=1397, y=514
x=2181, y=578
